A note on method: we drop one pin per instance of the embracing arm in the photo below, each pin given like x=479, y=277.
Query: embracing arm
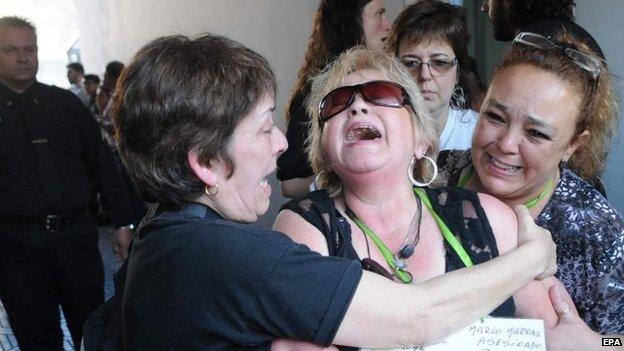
x=532, y=300
x=386, y=314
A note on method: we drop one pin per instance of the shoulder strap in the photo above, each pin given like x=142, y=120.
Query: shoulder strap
x=462, y=212
x=318, y=209
x=102, y=330
x=472, y=228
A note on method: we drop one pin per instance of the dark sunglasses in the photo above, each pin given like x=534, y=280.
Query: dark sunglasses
x=376, y=92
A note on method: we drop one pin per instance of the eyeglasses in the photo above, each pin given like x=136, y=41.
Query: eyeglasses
x=437, y=67
x=590, y=63
x=376, y=92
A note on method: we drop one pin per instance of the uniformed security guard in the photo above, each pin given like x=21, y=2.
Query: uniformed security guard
x=52, y=159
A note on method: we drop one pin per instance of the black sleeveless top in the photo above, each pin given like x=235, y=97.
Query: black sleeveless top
x=459, y=208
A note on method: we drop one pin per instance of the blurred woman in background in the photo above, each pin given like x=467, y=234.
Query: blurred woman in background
x=338, y=25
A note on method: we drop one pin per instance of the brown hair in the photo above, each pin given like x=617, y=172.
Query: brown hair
x=333, y=76
x=337, y=27
x=181, y=94
x=598, y=113
x=428, y=20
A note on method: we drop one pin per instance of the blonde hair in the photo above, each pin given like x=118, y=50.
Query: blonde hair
x=356, y=59
x=598, y=112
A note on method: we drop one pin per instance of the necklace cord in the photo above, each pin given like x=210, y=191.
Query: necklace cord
x=465, y=178
x=395, y=262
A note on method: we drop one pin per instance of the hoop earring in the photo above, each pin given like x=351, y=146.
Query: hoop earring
x=207, y=191
x=410, y=172
x=459, y=97
x=317, y=186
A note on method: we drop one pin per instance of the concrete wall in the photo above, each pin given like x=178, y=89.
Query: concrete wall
x=603, y=19
x=278, y=29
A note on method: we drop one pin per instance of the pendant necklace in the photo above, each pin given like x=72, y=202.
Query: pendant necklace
x=396, y=260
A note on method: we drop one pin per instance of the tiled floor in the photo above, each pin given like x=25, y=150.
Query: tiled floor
x=7, y=340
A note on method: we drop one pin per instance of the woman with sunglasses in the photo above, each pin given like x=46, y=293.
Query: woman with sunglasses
x=372, y=145
x=431, y=37
x=545, y=127
x=338, y=26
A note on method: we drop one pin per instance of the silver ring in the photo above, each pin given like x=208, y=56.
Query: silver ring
x=564, y=312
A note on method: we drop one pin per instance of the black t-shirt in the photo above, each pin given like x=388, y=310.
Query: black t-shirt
x=206, y=283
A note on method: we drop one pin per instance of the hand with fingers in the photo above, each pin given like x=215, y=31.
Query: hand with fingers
x=530, y=233
x=571, y=333
x=121, y=242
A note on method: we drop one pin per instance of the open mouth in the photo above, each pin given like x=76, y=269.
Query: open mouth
x=362, y=132
x=504, y=166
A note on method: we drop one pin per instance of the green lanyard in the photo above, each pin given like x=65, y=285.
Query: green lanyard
x=529, y=204
x=403, y=275
x=446, y=232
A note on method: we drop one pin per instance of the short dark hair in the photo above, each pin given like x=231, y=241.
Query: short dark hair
x=432, y=19
x=16, y=21
x=180, y=94
x=113, y=70
x=524, y=12
x=92, y=78
x=76, y=66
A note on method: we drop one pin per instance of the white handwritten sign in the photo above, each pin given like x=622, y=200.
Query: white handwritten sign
x=492, y=334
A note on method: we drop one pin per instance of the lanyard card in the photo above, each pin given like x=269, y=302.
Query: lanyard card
x=492, y=334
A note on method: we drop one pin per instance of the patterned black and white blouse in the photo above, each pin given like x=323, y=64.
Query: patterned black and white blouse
x=589, y=234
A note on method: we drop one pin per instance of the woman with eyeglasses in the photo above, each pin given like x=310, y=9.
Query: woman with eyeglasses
x=338, y=26
x=544, y=130
x=431, y=37
x=372, y=145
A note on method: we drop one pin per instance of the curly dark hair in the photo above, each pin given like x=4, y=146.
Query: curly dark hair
x=523, y=12
x=432, y=19
x=181, y=94
x=337, y=27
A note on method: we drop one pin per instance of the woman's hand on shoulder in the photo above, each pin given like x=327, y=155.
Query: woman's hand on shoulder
x=300, y=231
x=516, y=228
x=571, y=332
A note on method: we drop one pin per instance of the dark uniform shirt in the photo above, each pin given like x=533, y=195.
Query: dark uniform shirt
x=52, y=157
